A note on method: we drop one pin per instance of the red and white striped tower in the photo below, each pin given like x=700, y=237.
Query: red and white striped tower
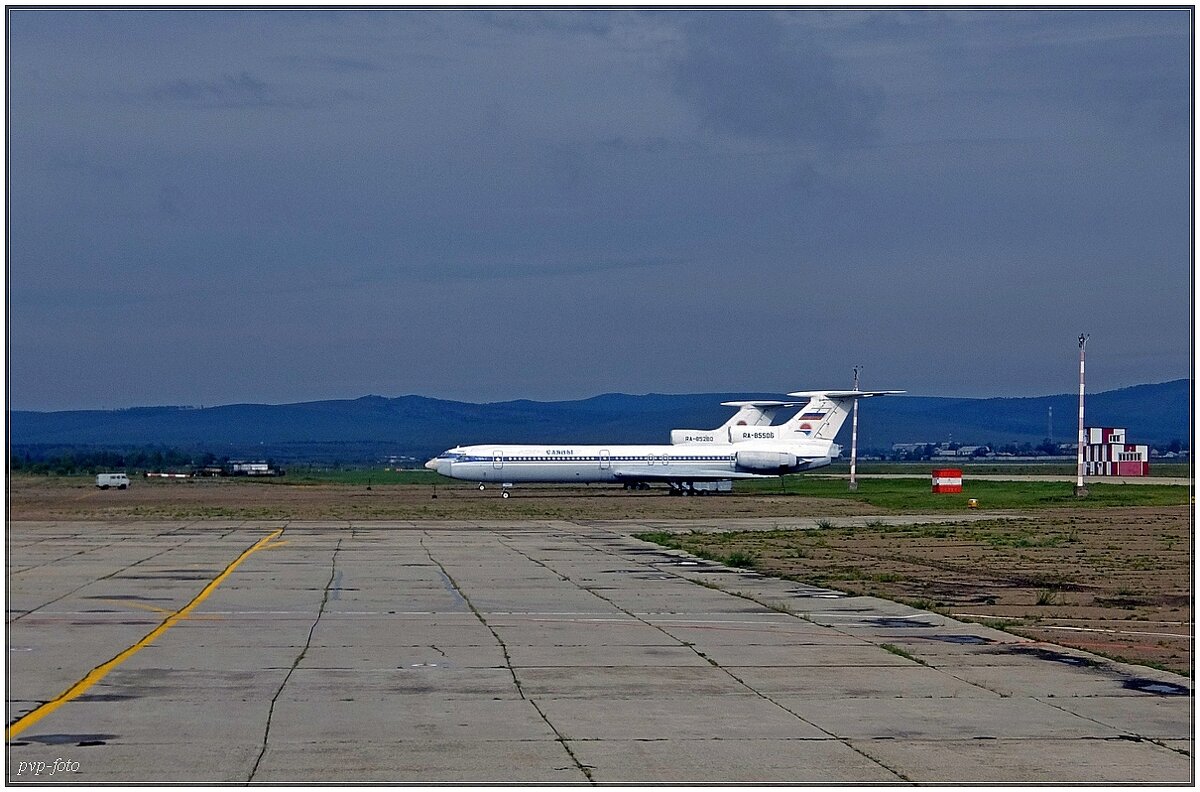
x=1080, y=489
x=854, y=436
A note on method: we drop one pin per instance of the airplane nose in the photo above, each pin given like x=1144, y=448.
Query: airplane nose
x=432, y=464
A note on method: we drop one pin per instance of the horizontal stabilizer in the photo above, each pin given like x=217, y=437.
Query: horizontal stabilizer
x=844, y=394
x=771, y=404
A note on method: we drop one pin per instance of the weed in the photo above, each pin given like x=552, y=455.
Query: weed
x=896, y=650
x=886, y=577
x=1047, y=597
x=739, y=558
x=664, y=538
x=824, y=525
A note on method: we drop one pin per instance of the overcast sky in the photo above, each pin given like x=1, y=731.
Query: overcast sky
x=219, y=206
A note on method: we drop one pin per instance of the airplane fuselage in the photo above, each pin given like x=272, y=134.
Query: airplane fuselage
x=620, y=464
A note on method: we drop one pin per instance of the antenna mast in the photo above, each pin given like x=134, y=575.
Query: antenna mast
x=1080, y=488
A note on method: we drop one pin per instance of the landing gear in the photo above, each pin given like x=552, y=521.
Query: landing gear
x=504, y=494
x=481, y=487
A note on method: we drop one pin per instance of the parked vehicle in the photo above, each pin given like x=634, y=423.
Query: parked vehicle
x=106, y=480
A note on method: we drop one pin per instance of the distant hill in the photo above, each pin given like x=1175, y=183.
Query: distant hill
x=1157, y=413
x=420, y=426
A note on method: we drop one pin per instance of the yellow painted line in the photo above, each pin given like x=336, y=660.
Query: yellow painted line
x=100, y=671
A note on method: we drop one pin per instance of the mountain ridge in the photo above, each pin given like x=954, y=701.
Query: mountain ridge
x=418, y=425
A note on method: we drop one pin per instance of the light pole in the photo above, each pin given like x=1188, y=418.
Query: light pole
x=854, y=436
x=1080, y=488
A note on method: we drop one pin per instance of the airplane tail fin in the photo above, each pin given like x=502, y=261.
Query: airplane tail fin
x=754, y=413
x=826, y=411
x=749, y=414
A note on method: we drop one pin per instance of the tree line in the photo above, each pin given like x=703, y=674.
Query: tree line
x=75, y=461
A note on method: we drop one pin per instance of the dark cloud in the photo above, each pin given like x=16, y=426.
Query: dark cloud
x=457, y=202
x=333, y=63
x=746, y=73
x=589, y=22
x=226, y=91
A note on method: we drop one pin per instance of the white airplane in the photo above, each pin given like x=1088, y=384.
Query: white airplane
x=736, y=451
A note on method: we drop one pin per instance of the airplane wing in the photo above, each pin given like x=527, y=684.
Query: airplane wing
x=661, y=474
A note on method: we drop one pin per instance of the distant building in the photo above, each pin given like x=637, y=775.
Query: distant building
x=253, y=469
x=1107, y=454
x=961, y=451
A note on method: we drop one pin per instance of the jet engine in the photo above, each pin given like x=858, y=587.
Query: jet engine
x=765, y=460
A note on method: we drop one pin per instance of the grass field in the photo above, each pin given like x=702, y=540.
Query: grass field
x=914, y=495
x=301, y=476
x=409, y=494
x=1157, y=469
x=1114, y=581
x=1163, y=469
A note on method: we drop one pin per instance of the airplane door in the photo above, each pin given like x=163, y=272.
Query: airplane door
x=498, y=459
x=605, y=459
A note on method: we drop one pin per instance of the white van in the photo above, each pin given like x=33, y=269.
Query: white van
x=106, y=480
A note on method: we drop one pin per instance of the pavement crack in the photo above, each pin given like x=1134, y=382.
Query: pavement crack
x=53, y=561
x=1127, y=735
x=1162, y=744
x=333, y=571
x=458, y=590
x=116, y=572
x=585, y=769
x=700, y=654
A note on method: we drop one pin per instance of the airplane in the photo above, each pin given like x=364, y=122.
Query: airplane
x=749, y=451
